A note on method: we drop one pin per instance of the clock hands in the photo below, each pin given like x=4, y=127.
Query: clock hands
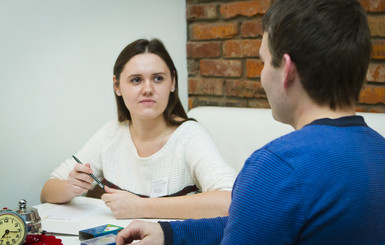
x=5, y=233
x=8, y=231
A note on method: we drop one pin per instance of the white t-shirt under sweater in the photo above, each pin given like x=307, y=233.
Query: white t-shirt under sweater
x=189, y=158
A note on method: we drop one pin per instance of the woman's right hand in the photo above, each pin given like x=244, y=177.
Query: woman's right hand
x=79, y=180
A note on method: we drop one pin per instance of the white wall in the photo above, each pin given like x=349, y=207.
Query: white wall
x=56, y=60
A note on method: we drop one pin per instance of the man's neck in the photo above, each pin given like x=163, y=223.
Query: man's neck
x=314, y=112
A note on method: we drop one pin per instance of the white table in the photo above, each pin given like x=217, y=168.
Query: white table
x=60, y=218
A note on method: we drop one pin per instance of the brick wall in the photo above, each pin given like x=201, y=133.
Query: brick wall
x=224, y=69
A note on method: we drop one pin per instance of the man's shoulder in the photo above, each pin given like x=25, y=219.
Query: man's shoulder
x=286, y=148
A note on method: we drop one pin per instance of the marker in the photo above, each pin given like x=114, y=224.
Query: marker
x=93, y=176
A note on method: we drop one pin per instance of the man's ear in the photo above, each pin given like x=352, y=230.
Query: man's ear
x=290, y=71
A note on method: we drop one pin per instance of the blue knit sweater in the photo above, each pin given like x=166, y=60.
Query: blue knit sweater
x=323, y=184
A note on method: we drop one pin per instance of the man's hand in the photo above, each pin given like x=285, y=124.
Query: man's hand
x=146, y=232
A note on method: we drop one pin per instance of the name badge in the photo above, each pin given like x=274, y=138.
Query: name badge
x=159, y=187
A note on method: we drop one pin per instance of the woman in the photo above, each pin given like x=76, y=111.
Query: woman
x=152, y=150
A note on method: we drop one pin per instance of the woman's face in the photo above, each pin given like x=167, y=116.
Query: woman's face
x=145, y=85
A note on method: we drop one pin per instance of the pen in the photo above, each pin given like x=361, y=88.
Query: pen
x=93, y=176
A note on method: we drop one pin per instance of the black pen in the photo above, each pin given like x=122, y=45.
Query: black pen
x=93, y=176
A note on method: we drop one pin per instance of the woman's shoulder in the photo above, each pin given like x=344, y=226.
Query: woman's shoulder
x=189, y=125
x=190, y=128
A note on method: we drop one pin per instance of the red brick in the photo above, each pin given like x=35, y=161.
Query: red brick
x=204, y=31
x=241, y=48
x=244, y=8
x=254, y=68
x=376, y=73
x=221, y=68
x=251, y=28
x=192, y=67
x=370, y=108
x=190, y=103
x=203, y=49
x=235, y=102
x=373, y=5
x=223, y=31
x=205, y=86
x=241, y=88
x=378, y=51
x=377, y=25
x=201, y=11
x=258, y=103
x=218, y=101
x=372, y=95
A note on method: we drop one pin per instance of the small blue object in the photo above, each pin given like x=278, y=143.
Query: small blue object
x=99, y=231
x=101, y=240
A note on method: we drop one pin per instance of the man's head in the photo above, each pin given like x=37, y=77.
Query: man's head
x=329, y=43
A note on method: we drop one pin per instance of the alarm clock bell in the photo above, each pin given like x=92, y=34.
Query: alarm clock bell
x=33, y=221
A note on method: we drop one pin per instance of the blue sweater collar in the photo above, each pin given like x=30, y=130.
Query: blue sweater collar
x=347, y=121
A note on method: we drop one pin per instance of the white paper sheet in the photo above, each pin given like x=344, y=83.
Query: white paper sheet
x=79, y=214
x=72, y=212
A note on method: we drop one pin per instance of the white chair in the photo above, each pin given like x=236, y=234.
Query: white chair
x=238, y=132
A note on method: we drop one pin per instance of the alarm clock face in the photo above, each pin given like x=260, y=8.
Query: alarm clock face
x=13, y=229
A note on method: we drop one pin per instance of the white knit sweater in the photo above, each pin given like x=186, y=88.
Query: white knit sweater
x=189, y=157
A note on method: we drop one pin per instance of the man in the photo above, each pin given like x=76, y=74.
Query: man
x=323, y=183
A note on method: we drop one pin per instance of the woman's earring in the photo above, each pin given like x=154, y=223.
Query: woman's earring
x=118, y=93
x=172, y=89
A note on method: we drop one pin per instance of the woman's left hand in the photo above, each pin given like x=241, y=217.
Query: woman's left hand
x=123, y=204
